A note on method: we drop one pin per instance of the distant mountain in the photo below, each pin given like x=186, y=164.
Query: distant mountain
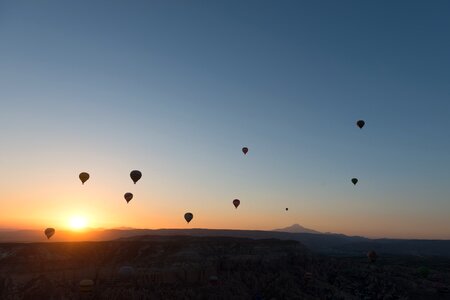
x=296, y=228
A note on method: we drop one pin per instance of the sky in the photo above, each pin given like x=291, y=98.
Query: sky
x=175, y=89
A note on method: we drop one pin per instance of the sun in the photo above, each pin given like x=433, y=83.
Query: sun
x=78, y=222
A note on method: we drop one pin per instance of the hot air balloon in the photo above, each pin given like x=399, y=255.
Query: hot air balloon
x=360, y=124
x=135, y=175
x=49, y=232
x=287, y=209
x=354, y=181
x=188, y=217
x=86, y=285
x=372, y=256
x=83, y=177
x=236, y=202
x=128, y=197
x=245, y=150
x=126, y=271
x=213, y=279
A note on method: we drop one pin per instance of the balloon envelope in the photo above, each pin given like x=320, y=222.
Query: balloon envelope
x=86, y=285
x=245, y=150
x=188, y=217
x=49, y=232
x=83, y=177
x=128, y=197
x=354, y=181
x=287, y=209
x=213, y=279
x=135, y=175
x=360, y=124
x=126, y=271
x=236, y=202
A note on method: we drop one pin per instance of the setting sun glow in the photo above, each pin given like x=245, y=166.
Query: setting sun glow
x=78, y=223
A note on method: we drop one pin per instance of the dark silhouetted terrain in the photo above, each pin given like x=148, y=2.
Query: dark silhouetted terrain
x=183, y=267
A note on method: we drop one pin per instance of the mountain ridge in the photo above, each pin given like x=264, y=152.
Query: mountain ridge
x=297, y=228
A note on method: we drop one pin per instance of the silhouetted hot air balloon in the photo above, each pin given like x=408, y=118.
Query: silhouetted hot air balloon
x=213, y=279
x=372, y=256
x=188, y=217
x=245, y=150
x=49, y=232
x=135, y=175
x=287, y=209
x=83, y=177
x=354, y=181
x=128, y=197
x=236, y=202
x=86, y=285
x=360, y=124
x=126, y=271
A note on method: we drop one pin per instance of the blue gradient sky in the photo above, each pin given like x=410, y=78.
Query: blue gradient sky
x=176, y=88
